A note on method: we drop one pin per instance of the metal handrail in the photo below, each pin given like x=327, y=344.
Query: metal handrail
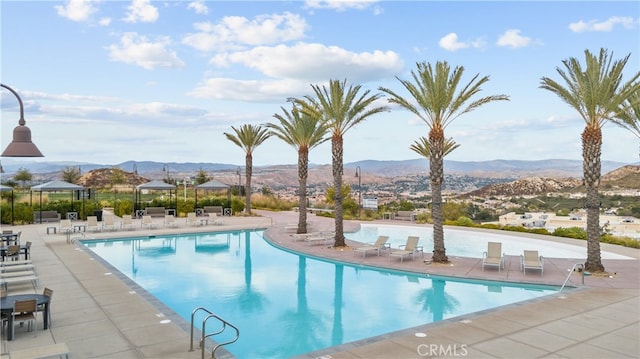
x=571, y=272
x=204, y=335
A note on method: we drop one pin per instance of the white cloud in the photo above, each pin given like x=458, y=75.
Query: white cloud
x=141, y=10
x=77, y=10
x=450, y=42
x=340, y=5
x=293, y=68
x=604, y=26
x=512, y=38
x=317, y=62
x=138, y=50
x=105, y=21
x=250, y=90
x=232, y=32
x=199, y=7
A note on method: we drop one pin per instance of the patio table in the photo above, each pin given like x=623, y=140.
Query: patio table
x=6, y=306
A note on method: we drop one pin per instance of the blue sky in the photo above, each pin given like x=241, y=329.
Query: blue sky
x=111, y=81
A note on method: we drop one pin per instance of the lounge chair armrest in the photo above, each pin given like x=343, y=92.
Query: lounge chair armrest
x=484, y=254
x=420, y=248
x=387, y=245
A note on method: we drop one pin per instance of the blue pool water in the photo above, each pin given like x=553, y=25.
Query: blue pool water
x=287, y=304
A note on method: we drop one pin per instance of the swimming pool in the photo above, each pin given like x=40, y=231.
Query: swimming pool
x=287, y=304
x=469, y=243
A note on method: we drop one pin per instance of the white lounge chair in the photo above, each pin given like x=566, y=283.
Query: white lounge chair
x=127, y=222
x=213, y=217
x=531, y=260
x=410, y=249
x=319, y=237
x=493, y=257
x=192, y=219
x=108, y=222
x=147, y=221
x=170, y=221
x=379, y=244
x=66, y=226
x=92, y=224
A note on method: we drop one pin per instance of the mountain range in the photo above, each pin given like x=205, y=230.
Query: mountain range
x=555, y=168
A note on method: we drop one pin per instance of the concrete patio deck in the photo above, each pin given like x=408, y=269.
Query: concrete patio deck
x=100, y=314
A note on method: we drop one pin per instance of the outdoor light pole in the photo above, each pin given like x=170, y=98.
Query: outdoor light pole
x=186, y=179
x=238, y=173
x=21, y=146
x=359, y=175
x=165, y=168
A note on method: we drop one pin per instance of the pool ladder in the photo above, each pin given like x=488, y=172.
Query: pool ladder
x=204, y=334
x=573, y=269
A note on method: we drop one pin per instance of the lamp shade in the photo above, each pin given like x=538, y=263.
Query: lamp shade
x=21, y=146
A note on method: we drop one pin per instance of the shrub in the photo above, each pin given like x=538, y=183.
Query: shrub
x=572, y=232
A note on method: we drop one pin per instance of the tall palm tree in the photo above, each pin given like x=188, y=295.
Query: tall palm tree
x=248, y=137
x=303, y=132
x=598, y=94
x=421, y=146
x=439, y=102
x=629, y=117
x=340, y=109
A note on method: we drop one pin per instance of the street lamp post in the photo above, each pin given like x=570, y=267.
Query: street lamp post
x=359, y=175
x=165, y=168
x=21, y=146
x=238, y=173
x=186, y=180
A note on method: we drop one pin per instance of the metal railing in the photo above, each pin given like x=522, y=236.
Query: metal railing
x=204, y=334
x=573, y=269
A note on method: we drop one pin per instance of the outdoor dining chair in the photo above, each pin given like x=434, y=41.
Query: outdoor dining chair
x=25, y=311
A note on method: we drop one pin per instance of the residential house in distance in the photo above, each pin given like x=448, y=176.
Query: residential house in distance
x=616, y=225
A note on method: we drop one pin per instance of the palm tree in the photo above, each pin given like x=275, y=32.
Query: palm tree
x=340, y=109
x=629, y=117
x=598, y=94
x=439, y=102
x=248, y=137
x=421, y=146
x=303, y=132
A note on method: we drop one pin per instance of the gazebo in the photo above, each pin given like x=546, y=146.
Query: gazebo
x=154, y=185
x=214, y=186
x=56, y=186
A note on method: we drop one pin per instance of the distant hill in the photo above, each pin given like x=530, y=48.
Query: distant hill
x=556, y=168
x=552, y=168
x=623, y=178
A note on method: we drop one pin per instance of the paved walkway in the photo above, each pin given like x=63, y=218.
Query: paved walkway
x=100, y=314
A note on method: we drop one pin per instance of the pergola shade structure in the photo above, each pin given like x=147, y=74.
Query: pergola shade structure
x=213, y=185
x=155, y=185
x=56, y=186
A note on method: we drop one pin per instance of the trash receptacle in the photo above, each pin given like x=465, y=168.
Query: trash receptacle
x=98, y=214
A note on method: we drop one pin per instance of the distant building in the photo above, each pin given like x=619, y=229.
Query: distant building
x=615, y=225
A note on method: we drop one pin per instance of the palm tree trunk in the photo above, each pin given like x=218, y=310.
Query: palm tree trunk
x=591, y=167
x=247, y=189
x=336, y=154
x=303, y=171
x=436, y=176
